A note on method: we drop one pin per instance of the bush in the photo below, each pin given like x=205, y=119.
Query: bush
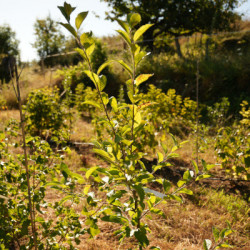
x=45, y=114
x=233, y=146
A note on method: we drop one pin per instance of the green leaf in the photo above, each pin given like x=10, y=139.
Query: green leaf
x=92, y=103
x=69, y=28
x=93, y=231
x=224, y=245
x=157, y=211
x=125, y=36
x=66, y=10
x=90, y=172
x=54, y=184
x=137, y=119
x=174, y=140
x=114, y=195
x=155, y=168
x=180, y=183
x=61, y=8
x=113, y=103
x=225, y=232
x=186, y=191
x=140, y=192
x=196, y=169
x=80, y=18
x=126, y=67
x=142, y=78
x=204, y=164
x=66, y=198
x=115, y=219
x=155, y=248
x=141, y=31
x=186, y=175
x=216, y=233
x=175, y=197
x=104, y=155
x=123, y=25
x=203, y=176
x=81, y=52
x=86, y=38
x=105, y=98
x=140, y=56
x=79, y=178
x=86, y=189
x=103, y=66
x=90, y=49
x=229, y=231
x=160, y=157
x=103, y=82
x=133, y=19
x=93, y=77
x=172, y=155
x=166, y=185
x=141, y=236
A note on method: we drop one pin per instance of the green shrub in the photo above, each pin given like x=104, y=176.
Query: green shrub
x=44, y=112
x=125, y=180
x=169, y=112
x=233, y=146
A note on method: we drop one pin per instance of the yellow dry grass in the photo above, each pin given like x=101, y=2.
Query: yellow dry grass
x=31, y=78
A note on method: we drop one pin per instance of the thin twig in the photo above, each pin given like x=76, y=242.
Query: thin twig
x=32, y=214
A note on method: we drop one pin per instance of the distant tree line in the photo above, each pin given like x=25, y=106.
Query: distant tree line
x=177, y=18
x=8, y=51
x=171, y=18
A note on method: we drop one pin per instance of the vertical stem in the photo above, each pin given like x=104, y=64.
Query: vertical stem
x=133, y=89
x=32, y=217
x=197, y=113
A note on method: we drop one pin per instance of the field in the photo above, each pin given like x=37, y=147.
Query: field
x=109, y=155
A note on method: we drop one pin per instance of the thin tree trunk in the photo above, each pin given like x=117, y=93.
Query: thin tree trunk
x=178, y=47
x=208, y=40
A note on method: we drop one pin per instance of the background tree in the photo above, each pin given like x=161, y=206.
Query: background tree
x=177, y=17
x=8, y=52
x=49, y=40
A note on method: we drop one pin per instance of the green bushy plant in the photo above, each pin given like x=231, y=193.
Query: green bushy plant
x=217, y=114
x=44, y=112
x=15, y=212
x=232, y=146
x=169, y=111
x=126, y=180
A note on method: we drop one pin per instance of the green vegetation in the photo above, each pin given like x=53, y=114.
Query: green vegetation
x=8, y=50
x=175, y=18
x=148, y=179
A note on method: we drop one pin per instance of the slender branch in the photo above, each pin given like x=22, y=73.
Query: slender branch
x=133, y=89
x=197, y=114
x=32, y=215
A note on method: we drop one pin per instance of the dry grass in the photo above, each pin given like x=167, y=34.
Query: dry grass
x=31, y=78
x=185, y=226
